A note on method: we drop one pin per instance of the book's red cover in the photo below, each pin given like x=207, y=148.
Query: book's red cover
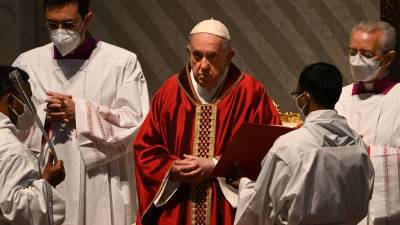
x=248, y=148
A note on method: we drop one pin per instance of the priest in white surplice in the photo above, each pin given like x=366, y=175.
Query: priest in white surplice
x=317, y=174
x=372, y=107
x=93, y=97
x=25, y=197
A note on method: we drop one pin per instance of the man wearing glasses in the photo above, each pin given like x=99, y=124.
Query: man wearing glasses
x=92, y=96
x=372, y=108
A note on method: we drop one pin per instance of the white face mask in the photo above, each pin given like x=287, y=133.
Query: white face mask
x=65, y=40
x=301, y=109
x=363, y=69
x=24, y=120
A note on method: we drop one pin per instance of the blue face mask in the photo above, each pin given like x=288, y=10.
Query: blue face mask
x=25, y=120
x=301, y=109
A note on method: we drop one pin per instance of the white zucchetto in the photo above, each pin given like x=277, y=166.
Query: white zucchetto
x=212, y=26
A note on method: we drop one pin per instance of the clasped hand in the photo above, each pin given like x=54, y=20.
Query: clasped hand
x=192, y=169
x=53, y=171
x=60, y=107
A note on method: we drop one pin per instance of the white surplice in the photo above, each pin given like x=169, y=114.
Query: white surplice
x=317, y=174
x=376, y=117
x=24, y=198
x=111, y=102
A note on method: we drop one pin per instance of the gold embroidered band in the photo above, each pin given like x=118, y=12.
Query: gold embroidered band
x=203, y=146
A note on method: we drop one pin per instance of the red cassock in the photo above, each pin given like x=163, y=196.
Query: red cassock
x=179, y=124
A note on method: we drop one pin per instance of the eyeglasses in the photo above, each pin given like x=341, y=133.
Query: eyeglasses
x=54, y=25
x=366, y=53
x=296, y=94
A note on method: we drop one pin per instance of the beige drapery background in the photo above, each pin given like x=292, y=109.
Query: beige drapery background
x=274, y=39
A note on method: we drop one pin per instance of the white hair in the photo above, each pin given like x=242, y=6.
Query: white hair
x=388, y=41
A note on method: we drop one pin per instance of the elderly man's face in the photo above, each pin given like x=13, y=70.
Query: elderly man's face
x=368, y=44
x=361, y=40
x=209, y=57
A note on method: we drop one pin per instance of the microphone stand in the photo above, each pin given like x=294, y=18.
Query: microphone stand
x=17, y=81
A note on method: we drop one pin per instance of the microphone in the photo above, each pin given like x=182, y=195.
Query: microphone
x=21, y=86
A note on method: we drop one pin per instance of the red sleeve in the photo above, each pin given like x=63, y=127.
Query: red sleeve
x=152, y=158
x=265, y=110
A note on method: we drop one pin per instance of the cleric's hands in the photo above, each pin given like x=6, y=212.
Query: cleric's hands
x=53, y=173
x=192, y=169
x=235, y=180
x=60, y=107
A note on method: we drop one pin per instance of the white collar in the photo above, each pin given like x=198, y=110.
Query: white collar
x=323, y=114
x=204, y=95
x=5, y=122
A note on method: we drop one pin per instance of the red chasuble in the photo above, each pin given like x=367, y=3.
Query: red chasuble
x=179, y=124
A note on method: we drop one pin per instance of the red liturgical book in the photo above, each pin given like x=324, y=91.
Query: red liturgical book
x=248, y=148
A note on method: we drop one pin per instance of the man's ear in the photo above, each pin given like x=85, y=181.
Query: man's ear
x=188, y=49
x=7, y=97
x=4, y=99
x=89, y=17
x=231, y=54
x=389, y=58
x=307, y=97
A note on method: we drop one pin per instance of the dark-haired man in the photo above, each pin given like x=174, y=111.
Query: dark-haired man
x=93, y=97
x=317, y=174
x=25, y=198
